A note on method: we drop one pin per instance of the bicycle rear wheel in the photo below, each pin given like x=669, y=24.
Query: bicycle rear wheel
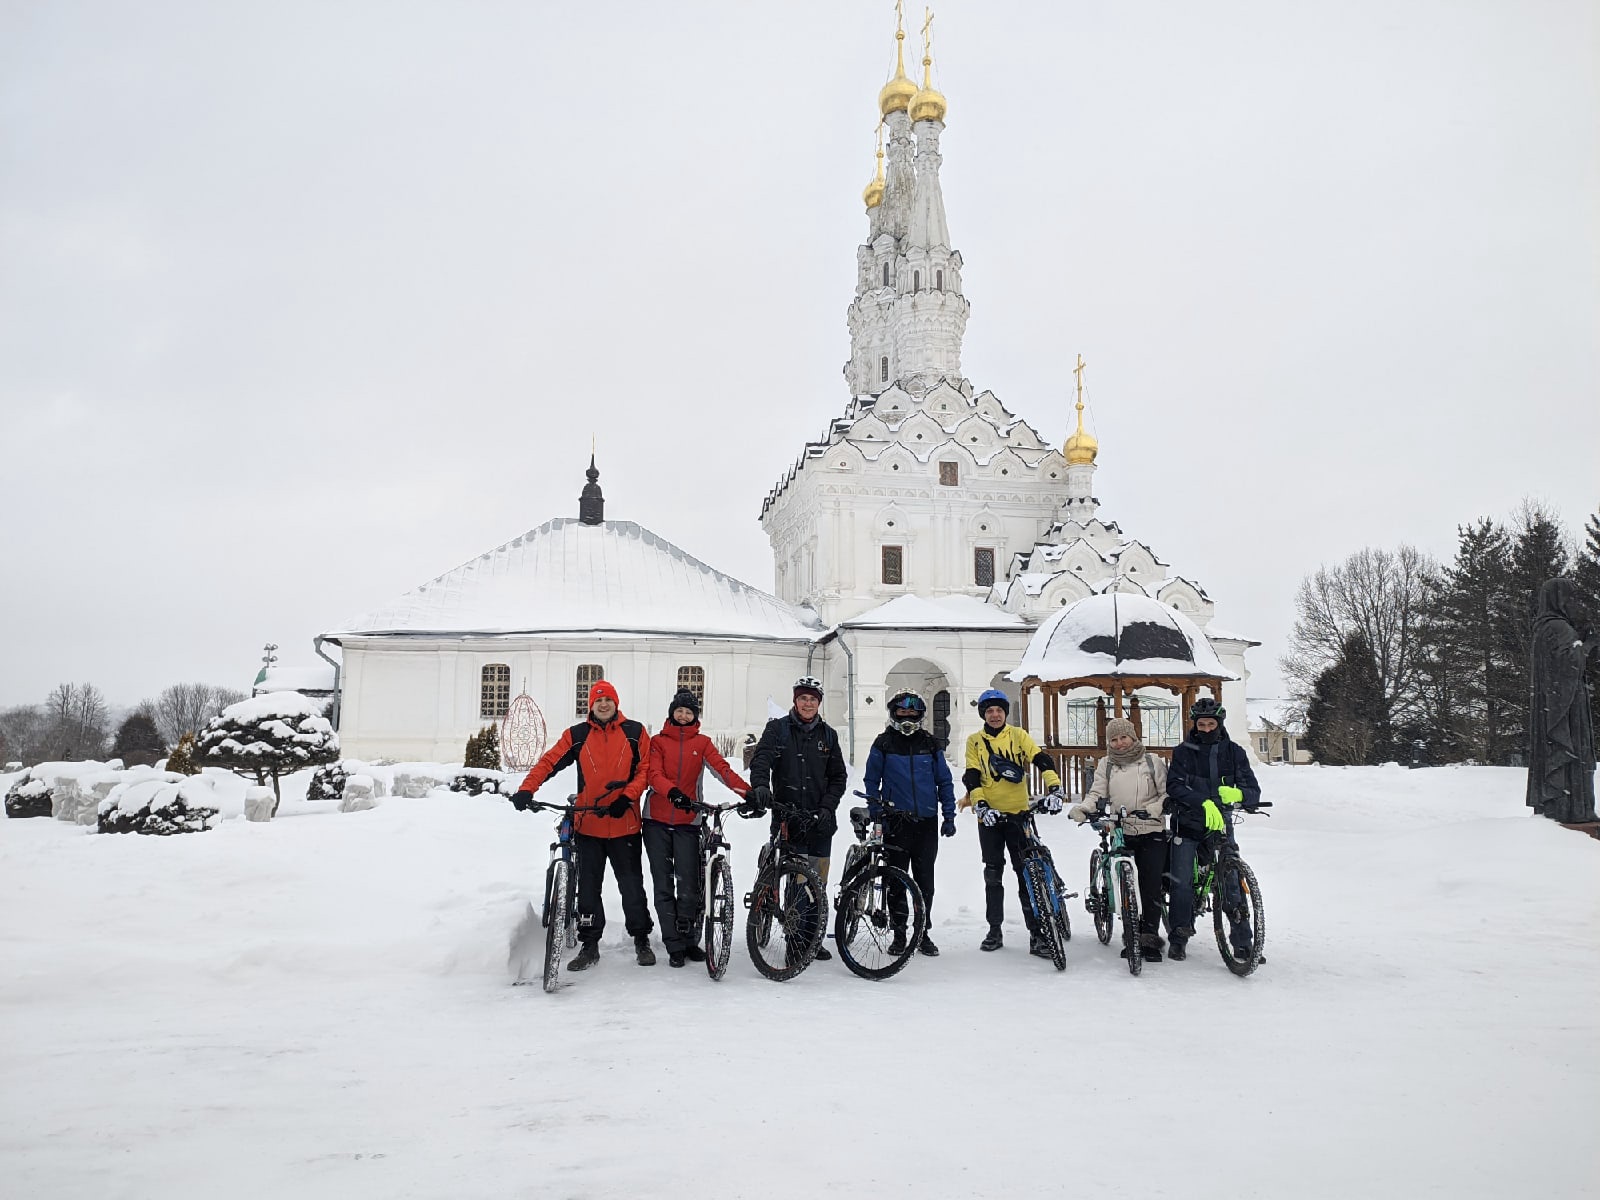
x=1098, y=900
x=864, y=927
x=719, y=918
x=1042, y=892
x=788, y=914
x=1236, y=902
x=1128, y=901
x=555, y=934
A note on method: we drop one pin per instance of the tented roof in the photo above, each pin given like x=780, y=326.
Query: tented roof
x=568, y=577
x=1118, y=634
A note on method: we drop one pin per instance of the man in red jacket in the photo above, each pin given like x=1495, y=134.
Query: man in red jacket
x=679, y=754
x=608, y=748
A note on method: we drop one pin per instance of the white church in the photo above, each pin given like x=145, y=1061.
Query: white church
x=920, y=544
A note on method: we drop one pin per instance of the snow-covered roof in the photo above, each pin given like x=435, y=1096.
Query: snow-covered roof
x=942, y=612
x=1271, y=709
x=295, y=679
x=1118, y=633
x=568, y=577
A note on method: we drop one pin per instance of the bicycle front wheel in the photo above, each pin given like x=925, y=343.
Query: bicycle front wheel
x=873, y=941
x=1128, y=901
x=1098, y=901
x=1042, y=894
x=1237, y=914
x=555, y=934
x=788, y=915
x=719, y=918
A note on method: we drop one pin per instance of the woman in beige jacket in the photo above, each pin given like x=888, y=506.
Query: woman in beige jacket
x=1130, y=777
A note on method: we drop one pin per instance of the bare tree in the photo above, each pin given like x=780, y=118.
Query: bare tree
x=187, y=707
x=75, y=718
x=22, y=731
x=1379, y=594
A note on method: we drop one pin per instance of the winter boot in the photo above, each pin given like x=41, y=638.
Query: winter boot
x=693, y=953
x=1176, y=951
x=823, y=955
x=993, y=940
x=645, y=956
x=588, y=954
x=675, y=958
x=1038, y=944
x=897, y=944
x=926, y=946
x=1151, y=945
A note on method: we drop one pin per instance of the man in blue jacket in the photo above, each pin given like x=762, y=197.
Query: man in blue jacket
x=1209, y=774
x=907, y=774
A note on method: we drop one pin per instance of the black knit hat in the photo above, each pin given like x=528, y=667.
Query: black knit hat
x=684, y=699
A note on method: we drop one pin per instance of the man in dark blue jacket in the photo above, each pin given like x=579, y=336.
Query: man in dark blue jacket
x=1209, y=774
x=907, y=774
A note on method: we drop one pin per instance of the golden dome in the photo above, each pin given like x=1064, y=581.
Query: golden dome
x=898, y=93
x=873, y=193
x=1081, y=448
x=928, y=105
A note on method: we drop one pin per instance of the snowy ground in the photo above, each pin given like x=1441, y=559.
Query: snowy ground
x=319, y=1008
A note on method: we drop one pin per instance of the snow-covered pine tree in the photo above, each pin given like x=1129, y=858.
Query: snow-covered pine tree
x=267, y=737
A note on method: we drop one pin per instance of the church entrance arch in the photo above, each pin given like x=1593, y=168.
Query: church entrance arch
x=928, y=680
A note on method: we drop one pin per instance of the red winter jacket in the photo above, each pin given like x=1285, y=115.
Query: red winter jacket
x=605, y=755
x=678, y=755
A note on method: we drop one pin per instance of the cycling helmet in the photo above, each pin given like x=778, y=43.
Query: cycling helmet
x=906, y=710
x=1207, y=707
x=992, y=697
x=808, y=683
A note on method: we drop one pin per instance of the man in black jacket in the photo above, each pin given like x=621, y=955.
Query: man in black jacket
x=798, y=762
x=1210, y=773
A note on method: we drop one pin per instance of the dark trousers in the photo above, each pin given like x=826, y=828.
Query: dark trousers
x=995, y=842
x=674, y=852
x=1150, y=857
x=627, y=864
x=911, y=844
x=1182, y=855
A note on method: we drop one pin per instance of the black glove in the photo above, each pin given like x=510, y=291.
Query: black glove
x=1252, y=805
x=681, y=799
x=827, y=822
x=618, y=806
x=522, y=800
x=752, y=807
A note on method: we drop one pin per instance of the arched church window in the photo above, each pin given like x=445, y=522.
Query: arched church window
x=885, y=274
x=589, y=674
x=983, y=566
x=916, y=281
x=883, y=369
x=938, y=280
x=894, y=565
x=494, y=690
x=693, y=679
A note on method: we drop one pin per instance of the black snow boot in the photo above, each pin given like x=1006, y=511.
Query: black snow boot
x=675, y=958
x=897, y=944
x=645, y=956
x=693, y=953
x=926, y=946
x=1176, y=951
x=993, y=940
x=1039, y=945
x=588, y=954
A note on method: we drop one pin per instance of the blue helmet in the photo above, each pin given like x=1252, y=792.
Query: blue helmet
x=992, y=697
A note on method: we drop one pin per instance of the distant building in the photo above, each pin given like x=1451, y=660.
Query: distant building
x=1274, y=735
x=320, y=682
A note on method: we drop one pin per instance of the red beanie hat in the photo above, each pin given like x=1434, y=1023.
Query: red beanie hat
x=602, y=687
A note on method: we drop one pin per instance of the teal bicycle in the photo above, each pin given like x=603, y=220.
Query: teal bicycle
x=1114, y=885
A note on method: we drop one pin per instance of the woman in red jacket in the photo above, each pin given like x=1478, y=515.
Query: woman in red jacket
x=679, y=755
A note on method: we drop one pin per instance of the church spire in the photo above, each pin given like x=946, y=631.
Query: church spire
x=1080, y=450
x=928, y=227
x=592, y=503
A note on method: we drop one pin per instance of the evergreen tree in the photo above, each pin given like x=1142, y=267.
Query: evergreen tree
x=1346, y=719
x=1469, y=670
x=483, y=749
x=1586, y=571
x=137, y=737
x=268, y=737
x=1538, y=552
x=182, y=759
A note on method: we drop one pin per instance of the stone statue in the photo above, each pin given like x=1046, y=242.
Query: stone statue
x=1564, y=650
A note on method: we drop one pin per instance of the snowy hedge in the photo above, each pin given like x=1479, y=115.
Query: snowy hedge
x=163, y=806
x=474, y=781
x=28, y=798
x=327, y=782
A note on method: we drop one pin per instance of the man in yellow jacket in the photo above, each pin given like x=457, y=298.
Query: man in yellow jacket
x=996, y=779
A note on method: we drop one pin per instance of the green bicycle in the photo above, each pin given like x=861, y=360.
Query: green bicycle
x=1225, y=886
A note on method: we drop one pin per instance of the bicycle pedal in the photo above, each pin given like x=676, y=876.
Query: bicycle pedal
x=1069, y=895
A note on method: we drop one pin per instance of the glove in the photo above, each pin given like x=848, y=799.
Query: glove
x=751, y=807
x=1230, y=795
x=681, y=799
x=827, y=822
x=1053, y=800
x=948, y=829
x=1079, y=813
x=522, y=800
x=618, y=806
x=1252, y=805
x=986, y=814
x=1214, y=821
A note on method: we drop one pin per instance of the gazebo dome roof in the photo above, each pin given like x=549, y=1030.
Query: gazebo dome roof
x=1118, y=634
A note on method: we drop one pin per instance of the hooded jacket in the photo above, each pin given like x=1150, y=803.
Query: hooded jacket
x=679, y=755
x=1198, y=769
x=911, y=773
x=604, y=753
x=804, y=767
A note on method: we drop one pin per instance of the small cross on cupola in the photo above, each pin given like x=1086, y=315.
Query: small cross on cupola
x=592, y=504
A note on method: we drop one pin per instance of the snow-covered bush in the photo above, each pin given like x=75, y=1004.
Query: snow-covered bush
x=267, y=737
x=476, y=781
x=327, y=782
x=29, y=797
x=160, y=806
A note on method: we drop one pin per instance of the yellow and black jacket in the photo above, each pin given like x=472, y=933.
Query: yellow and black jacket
x=1011, y=743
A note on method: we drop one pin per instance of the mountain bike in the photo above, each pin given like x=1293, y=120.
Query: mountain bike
x=1225, y=885
x=560, y=912
x=1047, y=894
x=788, y=904
x=881, y=915
x=1114, y=885
x=716, y=888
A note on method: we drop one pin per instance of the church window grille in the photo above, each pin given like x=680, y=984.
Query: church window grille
x=885, y=274
x=693, y=679
x=949, y=473
x=589, y=674
x=941, y=717
x=983, y=566
x=938, y=280
x=494, y=690
x=916, y=281
x=883, y=369
x=894, y=565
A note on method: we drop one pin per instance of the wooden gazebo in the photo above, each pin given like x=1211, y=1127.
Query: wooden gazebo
x=1116, y=644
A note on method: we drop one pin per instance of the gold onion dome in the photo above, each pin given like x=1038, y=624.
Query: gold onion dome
x=873, y=193
x=898, y=93
x=928, y=104
x=1081, y=447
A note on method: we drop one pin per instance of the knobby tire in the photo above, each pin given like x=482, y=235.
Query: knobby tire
x=1128, y=901
x=788, y=901
x=1254, y=914
x=1098, y=901
x=719, y=919
x=862, y=936
x=555, y=920
x=1040, y=890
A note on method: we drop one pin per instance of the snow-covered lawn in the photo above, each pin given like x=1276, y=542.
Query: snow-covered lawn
x=318, y=1007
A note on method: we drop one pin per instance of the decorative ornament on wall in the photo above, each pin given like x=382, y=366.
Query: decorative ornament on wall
x=522, y=734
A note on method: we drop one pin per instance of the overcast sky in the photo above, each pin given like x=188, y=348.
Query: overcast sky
x=304, y=304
